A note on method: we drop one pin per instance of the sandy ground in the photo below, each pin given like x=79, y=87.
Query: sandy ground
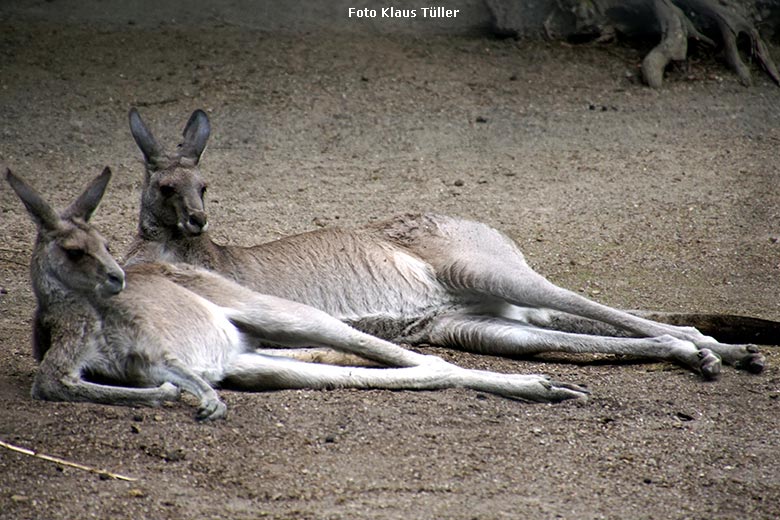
x=641, y=199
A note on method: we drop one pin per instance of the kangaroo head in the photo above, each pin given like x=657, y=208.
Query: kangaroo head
x=173, y=193
x=69, y=252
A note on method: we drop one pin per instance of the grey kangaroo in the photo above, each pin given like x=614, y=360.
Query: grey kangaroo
x=140, y=336
x=416, y=279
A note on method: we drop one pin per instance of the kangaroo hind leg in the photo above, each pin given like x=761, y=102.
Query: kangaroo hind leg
x=252, y=371
x=531, y=289
x=495, y=268
x=498, y=336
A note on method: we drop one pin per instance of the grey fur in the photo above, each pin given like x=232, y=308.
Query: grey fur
x=414, y=279
x=140, y=336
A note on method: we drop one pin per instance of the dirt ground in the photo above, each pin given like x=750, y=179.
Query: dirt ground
x=641, y=199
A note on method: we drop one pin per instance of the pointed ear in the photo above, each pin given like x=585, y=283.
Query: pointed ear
x=87, y=203
x=144, y=138
x=39, y=209
x=196, y=134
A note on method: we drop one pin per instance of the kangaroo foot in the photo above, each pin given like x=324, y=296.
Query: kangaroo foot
x=754, y=362
x=709, y=364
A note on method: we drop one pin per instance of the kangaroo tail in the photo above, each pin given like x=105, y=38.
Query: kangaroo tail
x=726, y=328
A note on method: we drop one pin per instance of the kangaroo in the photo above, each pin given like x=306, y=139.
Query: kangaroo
x=164, y=328
x=415, y=279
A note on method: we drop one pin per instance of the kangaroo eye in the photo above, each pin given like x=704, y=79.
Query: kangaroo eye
x=75, y=254
x=167, y=191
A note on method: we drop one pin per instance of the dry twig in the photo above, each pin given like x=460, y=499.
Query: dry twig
x=63, y=462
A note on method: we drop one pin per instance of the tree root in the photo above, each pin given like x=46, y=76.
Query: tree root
x=677, y=28
x=679, y=22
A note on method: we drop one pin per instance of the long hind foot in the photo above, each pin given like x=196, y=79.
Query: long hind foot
x=742, y=357
x=560, y=391
x=709, y=364
x=753, y=361
x=533, y=388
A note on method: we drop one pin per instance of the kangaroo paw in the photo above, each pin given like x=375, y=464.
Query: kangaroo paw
x=212, y=410
x=754, y=362
x=709, y=364
x=742, y=357
x=558, y=391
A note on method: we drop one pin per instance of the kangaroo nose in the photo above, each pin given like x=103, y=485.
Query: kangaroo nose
x=197, y=222
x=116, y=282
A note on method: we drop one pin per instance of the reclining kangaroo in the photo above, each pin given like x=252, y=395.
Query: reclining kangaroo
x=415, y=278
x=161, y=328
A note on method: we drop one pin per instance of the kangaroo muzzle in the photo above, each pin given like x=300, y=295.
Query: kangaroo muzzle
x=194, y=222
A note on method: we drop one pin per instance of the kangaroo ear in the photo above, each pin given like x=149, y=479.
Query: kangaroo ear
x=196, y=134
x=144, y=138
x=39, y=209
x=87, y=203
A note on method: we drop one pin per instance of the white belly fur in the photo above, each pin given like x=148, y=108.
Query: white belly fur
x=213, y=344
